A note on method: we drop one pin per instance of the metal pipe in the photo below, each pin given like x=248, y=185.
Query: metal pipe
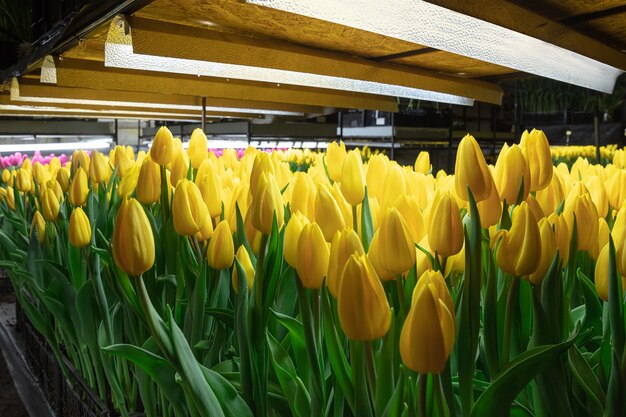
x=203, y=114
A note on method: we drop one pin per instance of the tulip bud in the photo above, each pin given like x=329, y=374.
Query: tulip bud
x=427, y=336
x=80, y=159
x=335, y=155
x=352, y=179
x=267, y=203
x=128, y=184
x=79, y=188
x=603, y=238
x=40, y=174
x=133, y=242
x=519, y=251
x=536, y=150
x=411, y=214
x=63, y=178
x=490, y=209
x=396, y=248
x=162, y=149
x=535, y=208
x=586, y=214
x=511, y=169
x=197, y=149
x=422, y=162
x=262, y=165
x=598, y=195
x=455, y=263
x=180, y=166
x=99, y=169
x=40, y=224
x=292, y=234
x=149, y=182
x=221, y=250
x=601, y=274
x=246, y=264
x=10, y=196
x=212, y=193
x=80, y=228
x=373, y=255
x=548, y=250
x=362, y=305
x=313, y=255
x=303, y=195
x=395, y=186
x=344, y=244
x=189, y=211
x=23, y=180
x=327, y=212
x=50, y=204
x=551, y=197
x=471, y=170
x=6, y=176
x=445, y=228
x=616, y=189
x=377, y=168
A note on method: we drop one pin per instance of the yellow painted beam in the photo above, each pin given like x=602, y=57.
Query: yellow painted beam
x=151, y=37
x=90, y=74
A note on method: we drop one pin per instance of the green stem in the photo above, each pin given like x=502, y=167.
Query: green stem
x=511, y=306
x=421, y=395
x=371, y=368
x=355, y=223
x=401, y=296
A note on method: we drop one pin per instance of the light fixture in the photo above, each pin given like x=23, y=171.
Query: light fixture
x=27, y=108
x=60, y=146
x=118, y=53
x=434, y=26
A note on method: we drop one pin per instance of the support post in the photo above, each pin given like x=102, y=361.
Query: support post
x=203, y=113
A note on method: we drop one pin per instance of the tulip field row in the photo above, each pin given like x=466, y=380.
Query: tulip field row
x=180, y=283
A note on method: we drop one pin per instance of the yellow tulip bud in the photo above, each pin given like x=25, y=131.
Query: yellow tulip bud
x=128, y=184
x=411, y=214
x=427, y=336
x=548, y=250
x=180, y=166
x=23, y=180
x=212, y=193
x=38, y=223
x=313, y=255
x=80, y=228
x=616, y=189
x=445, y=228
x=246, y=264
x=50, y=204
x=10, y=195
x=221, y=250
x=395, y=186
x=471, y=170
x=582, y=207
x=601, y=274
x=376, y=173
x=352, y=179
x=79, y=188
x=519, y=251
x=267, y=203
x=99, y=169
x=162, y=149
x=6, y=176
x=80, y=159
x=455, y=263
x=40, y=173
x=198, y=148
x=598, y=195
x=562, y=234
x=303, y=195
x=536, y=150
x=373, y=255
x=327, y=212
x=396, y=250
x=262, y=165
x=511, y=168
x=422, y=162
x=603, y=238
x=292, y=234
x=535, y=207
x=552, y=196
x=189, y=211
x=63, y=178
x=490, y=209
x=362, y=305
x=149, y=182
x=335, y=155
x=344, y=244
x=133, y=242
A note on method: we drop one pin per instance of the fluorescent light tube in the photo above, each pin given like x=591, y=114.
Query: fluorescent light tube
x=434, y=26
x=61, y=146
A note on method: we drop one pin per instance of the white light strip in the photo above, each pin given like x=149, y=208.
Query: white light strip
x=13, y=107
x=61, y=146
x=434, y=26
x=98, y=116
x=122, y=56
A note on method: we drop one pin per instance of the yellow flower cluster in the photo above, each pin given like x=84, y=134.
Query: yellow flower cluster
x=572, y=153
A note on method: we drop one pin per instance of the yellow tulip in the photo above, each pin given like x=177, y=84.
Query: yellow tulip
x=376, y=174
x=601, y=274
x=133, y=242
x=535, y=207
x=261, y=165
x=50, y=204
x=603, y=238
x=23, y=180
x=411, y=214
x=212, y=193
x=63, y=178
x=292, y=234
x=344, y=244
x=6, y=176
x=395, y=186
x=79, y=188
x=519, y=251
x=548, y=250
x=80, y=228
x=455, y=263
x=471, y=170
x=536, y=150
x=10, y=195
x=246, y=264
x=352, y=179
x=422, y=163
x=373, y=255
x=582, y=207
x=38, y=223
x=616, y=189
x=221, y=250
x=445, y=228
x=163, y=147
x=427, y=336
x=396, y=248
x=598, y=195
x=328, y=214
x=267, y=203
x=128, y=184
x=362, y=305
x=99, y=169
x=490, y=210
x=40, y=174
x=80, y=159
x=313, y=255
x=198, y=148
x=552, y=196
x=303, y=195
x=180, y=166
x=511, y=169
x=562, y=234
x=335, y=155
x=189, y=211
x=149, y=182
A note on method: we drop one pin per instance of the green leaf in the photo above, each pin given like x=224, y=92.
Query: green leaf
x=232, y=404
x=367, y=226
x=516, y=375
x=224, y=315
x=587, y=380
